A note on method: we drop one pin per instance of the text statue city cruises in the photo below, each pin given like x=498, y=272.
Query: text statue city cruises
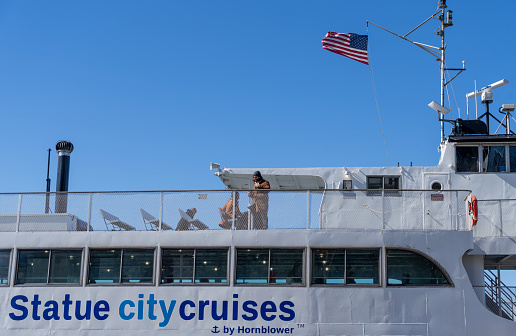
x=335, y=251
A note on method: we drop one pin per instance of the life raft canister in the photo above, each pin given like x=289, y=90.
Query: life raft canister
x=473, y=210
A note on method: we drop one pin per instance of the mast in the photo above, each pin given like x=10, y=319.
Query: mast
x=446, y=21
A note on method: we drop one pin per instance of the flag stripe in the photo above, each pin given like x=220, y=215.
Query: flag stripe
x=347, y=44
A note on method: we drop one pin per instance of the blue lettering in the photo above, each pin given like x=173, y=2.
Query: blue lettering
x=51, y=313
x=35, y=303
x=151, y=302
x=140, y=307
x=166, y=313
x=182, y=310
x=121, y=310
x=268, y=307
x=252, y=311
x=87, y=314
x=235, y=307
x=66, y=306
x=101, y=306
x=23, y=309
x=224, y=315
x=291, y=313
x=202, y=304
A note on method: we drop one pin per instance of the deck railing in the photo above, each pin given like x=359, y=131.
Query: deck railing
x=497, y=218
x=287, y=209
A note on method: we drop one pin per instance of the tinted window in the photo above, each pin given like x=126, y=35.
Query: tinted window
x=275, y=266
x=121, y=266
x=512, y=158
x=494, y=159
x=467, y=158
x=65, y=267
x=5, y=257
x=345, y=266
x=409, y=268
x=32, y=267
x=194, y=266
x=49, y=266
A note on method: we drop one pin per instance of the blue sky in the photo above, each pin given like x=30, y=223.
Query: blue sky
x=151, y=92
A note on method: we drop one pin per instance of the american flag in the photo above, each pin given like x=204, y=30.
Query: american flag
x=347, y=44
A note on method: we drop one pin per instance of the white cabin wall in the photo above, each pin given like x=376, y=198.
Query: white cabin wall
x=474, y=265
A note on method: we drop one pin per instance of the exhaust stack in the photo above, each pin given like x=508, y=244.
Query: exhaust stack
x=63, y=148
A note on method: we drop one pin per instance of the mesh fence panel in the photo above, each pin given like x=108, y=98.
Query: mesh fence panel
x=489, y=219
x=329, y=209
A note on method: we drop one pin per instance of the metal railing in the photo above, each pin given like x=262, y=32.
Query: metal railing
x=500, y=299
x=496, y=218
x=283, y=209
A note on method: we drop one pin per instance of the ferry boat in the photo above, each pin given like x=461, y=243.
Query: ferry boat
x=330, y=251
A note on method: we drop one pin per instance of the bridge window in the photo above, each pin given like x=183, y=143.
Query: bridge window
x=121, y=266
x=467, y=159
x=5, y=257
x=512, y=158
x=406, y=268
x=269, y=266
x=194, y=266
x=494, y=159
x=345, y=266
x=49, y=267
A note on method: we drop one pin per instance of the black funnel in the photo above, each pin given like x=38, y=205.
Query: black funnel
x=63, y=148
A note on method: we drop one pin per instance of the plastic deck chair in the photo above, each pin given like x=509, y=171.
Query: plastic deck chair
x=195, y=222
x=115, y=222
x=152, y=223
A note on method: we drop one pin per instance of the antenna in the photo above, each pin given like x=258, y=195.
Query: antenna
x=487, y=98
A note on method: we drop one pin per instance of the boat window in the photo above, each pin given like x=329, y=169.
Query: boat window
x=512, y=158
x=121, y=266
x=383, y=183
x=5, y=257
x=493, y=159
x=345, y=266
x=467, y=159
x=49, y=266
x=273, y=266
x=406, y=268
x=194, y=266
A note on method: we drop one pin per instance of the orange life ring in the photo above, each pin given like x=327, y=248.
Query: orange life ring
x=473, y=210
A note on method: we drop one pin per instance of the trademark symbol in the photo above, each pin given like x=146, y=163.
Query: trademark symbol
x=300, y=325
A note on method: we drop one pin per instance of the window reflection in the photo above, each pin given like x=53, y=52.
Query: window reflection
x=409, y=268
x=177, y=266
x=345, y=266
x=194, y=266
x=137, y=266
x=512, y=158
x=49, y=266
x=276, y=266
x=65, y=267
x=493, y=159
x=467, y=159
x=211, y=266
x=121, y=266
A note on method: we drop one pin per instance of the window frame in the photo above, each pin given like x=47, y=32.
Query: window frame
x=423, y=255
x=344, y=275
x=269, y=283
x=193, y=282
x=49, y=268
x=121, y=265
x=383, y=191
